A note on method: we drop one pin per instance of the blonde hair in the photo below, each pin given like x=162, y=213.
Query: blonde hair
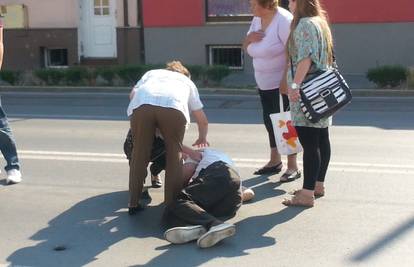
x=269, y=4
x=176, y=66
x=313, y=8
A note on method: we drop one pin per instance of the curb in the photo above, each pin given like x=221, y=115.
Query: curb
x=218, y=91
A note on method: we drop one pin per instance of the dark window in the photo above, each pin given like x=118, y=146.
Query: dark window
x=229, y=55
x=228, y=10
x=56, y=57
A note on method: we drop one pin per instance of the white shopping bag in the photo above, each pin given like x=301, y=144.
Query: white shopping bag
x=286, y=137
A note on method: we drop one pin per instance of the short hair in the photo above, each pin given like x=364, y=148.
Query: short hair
x=177, y=66
x=270, y=4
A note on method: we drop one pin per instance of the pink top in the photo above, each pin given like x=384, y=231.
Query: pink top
x=269, y=56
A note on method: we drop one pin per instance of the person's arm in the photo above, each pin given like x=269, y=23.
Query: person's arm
x=202, y=123
x=306, y=41
x=301, y=71
x=283, y=87
x=253, y=35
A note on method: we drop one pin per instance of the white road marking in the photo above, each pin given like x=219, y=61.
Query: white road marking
x=359, y=167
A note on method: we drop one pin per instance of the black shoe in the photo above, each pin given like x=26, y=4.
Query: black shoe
x=269, y=170
x=135, y=210
x=288, y=177
x=155, y=181
x=145, y=195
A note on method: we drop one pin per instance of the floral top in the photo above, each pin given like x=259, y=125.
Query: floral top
x=308, y=42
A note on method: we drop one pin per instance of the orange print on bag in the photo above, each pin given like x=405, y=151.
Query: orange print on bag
x=291, y=136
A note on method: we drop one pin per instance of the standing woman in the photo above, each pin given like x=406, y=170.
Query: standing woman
x=310, y=48
x=266, y=42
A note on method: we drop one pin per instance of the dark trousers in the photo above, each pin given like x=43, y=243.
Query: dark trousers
x=214, y=195
x=270, y=104
x=316, y=154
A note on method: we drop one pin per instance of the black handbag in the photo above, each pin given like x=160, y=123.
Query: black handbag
x=323, y=93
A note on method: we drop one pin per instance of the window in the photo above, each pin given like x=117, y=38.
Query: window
x=55, y=57
x=101, y=7
x=229, y=55
x=228, y=10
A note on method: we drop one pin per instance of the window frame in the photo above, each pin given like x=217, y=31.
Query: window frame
x=241, y=18
x=47, y=57
x=215, y=46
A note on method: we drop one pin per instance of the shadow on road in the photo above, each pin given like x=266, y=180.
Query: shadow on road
x=383, y=242
x=77, y=236
x=250, y=235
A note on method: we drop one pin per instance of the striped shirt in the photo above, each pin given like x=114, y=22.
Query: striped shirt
x=169, y=89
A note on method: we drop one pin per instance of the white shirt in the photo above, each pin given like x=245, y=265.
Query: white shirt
x=269, y=56
x=209, y=156
x=167, y=89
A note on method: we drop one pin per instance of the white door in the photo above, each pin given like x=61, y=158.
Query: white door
x=98, y=28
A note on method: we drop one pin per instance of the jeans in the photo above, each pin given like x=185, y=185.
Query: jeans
x=7, y=143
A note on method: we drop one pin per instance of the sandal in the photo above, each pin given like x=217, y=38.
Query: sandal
x=290, y=176
x=317, y=193
x=269, y=170
x=300, y=200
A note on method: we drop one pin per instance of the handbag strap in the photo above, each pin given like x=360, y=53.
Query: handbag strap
x=281, y=106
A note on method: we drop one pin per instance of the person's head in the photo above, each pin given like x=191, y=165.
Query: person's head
x=311, y=8
x=261, y=7
x=176, y=66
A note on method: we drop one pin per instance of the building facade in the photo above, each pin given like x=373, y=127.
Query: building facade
x=69, y=32
x=367, y=33
x=56, y=33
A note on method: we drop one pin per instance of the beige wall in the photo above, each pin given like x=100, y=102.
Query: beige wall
x=49, y=13
x=132, y=17
x=65, y=13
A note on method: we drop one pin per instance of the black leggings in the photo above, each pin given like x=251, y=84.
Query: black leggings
x=270, y=104
x=316, y=154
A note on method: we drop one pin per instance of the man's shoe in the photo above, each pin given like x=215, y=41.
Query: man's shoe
x=181, y=235
x=155, y=181
x=216, y=234
x=135, y=210
x=14, y=176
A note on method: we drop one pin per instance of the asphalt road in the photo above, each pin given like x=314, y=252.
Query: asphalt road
x=70, y=208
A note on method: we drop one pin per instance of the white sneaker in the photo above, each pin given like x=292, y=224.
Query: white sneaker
x=181, y=235
x=216, y=234
x=14, y=176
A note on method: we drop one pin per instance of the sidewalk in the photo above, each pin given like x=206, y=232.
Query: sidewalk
x=203, y=91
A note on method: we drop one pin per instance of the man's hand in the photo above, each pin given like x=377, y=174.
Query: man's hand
x=201, y=142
